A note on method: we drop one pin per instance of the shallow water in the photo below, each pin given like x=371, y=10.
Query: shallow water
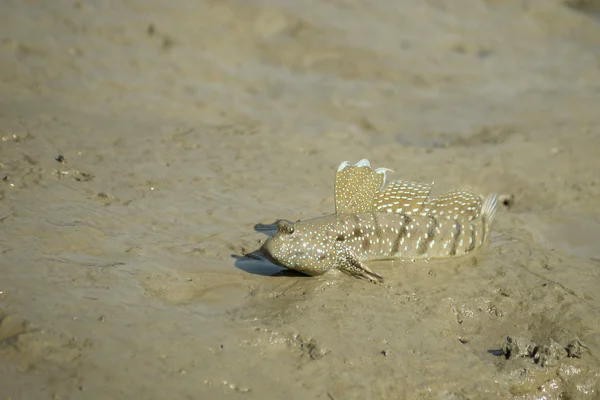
x=181, y=127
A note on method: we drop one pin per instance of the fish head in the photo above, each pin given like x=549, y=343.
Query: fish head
x=300, y=246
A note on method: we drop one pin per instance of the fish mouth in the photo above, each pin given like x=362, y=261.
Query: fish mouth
x=266, y=251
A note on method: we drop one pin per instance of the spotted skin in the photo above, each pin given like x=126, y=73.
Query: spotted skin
x=356, y=186
x=402, y=197
x=454, y=224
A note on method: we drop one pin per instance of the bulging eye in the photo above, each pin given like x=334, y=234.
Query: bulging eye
x=285, y=227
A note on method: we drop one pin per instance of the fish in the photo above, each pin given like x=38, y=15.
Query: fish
x=375, y=220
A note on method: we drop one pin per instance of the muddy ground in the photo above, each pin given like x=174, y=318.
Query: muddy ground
x=143, y=140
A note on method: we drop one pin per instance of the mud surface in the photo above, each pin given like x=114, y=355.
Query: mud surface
x=143, y=140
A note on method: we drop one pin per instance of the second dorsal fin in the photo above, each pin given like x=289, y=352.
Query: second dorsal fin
x=455, y=204
x=403, y=197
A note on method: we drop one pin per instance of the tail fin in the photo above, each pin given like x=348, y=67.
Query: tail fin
x=488, y=209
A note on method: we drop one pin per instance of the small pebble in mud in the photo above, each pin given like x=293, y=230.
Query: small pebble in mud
x=384, y=353
x=101, y=318
x=310, y=346
x=548, y=355
x=516, y=347
x=167, y=43
x=543, y=354
x=575, y=349
x=507, y=200
x=60, y=159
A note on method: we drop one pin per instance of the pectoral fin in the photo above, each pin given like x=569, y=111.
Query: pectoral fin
x=348, y=262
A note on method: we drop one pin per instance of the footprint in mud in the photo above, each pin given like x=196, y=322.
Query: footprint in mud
x=216, y=291
x=28, y=347
x=11, y=327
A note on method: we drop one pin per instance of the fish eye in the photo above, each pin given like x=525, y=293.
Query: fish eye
x=285, y=227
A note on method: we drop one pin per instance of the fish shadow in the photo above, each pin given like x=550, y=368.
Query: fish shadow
x=496, y=352
x=256, y=264
x=267, y=229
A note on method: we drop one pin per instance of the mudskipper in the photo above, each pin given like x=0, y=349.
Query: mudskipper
x=375, y=221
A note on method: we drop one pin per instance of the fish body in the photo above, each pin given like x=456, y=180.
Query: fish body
x=378, y=222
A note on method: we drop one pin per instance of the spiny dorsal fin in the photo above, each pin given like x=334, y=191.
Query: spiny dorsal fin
x=403, y=197
x=454, y=204
x=356, y=186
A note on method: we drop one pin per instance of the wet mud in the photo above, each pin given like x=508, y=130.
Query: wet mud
x=145, y=148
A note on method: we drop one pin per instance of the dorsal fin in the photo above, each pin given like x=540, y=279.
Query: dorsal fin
x=360, y=188
x=356, y=186
x=403, y=197
x=454, y=204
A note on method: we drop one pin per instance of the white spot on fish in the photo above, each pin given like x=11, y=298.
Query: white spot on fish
x=371, y=222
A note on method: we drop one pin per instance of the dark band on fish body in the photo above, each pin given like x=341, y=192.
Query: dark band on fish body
x=455, y=239
x=430, y=235
x=403, y=231
x=473, y=237
x=356, y=219
x=366, y=244
x=378, y=230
